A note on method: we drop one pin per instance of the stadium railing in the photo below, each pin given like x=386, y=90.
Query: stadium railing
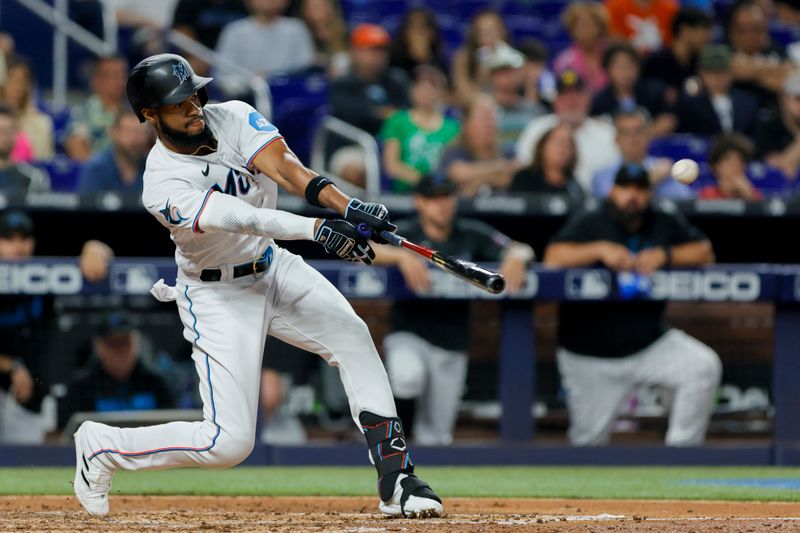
x=779, y=284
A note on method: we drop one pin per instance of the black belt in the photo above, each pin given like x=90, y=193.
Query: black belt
x=245, y=269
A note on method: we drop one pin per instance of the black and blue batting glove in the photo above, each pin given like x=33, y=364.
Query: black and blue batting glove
x=372, y=215
x=343, y=239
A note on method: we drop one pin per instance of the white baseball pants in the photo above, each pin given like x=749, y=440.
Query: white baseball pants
x=596, y=386
x=433, y=376
x=227, y=323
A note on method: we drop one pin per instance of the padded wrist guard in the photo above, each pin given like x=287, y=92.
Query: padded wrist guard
x=313, y=189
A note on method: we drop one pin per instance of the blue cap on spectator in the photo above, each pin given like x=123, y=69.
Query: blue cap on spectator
x=15, y=222
x=115, y=322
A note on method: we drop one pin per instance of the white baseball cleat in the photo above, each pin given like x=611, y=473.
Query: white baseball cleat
x=92, y=482
x=412, y=498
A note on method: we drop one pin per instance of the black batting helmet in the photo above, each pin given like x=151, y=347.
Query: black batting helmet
x=163, y=79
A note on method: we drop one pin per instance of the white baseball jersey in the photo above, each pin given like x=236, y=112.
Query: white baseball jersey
x=222, y=212
x=177, y=187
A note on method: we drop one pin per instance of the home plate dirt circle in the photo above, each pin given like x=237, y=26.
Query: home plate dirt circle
x=359, y=515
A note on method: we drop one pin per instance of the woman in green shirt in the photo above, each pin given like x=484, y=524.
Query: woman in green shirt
x=414, y=139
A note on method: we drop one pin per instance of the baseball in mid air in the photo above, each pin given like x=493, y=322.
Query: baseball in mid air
x=685, y=170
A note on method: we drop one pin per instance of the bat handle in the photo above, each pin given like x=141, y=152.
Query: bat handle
x=393, y=238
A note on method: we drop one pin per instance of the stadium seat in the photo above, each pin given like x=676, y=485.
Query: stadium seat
x=453, y=32
x=784, y=34
x=704, y=179
x=64, y=173
x=297, y=101
x=60, y=120
x=769, y=180
x=680, y=146
x=374, y=11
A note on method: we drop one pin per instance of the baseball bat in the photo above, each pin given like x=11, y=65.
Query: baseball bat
x=480, y=277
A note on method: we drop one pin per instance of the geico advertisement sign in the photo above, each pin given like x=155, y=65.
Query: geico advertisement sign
x=40, y=279
x=711, y=286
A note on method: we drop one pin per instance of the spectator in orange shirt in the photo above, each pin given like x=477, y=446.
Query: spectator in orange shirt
x=646, y=23
x=728, y=158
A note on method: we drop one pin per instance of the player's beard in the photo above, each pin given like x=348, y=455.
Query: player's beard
x=187, y=140
x=630, y=217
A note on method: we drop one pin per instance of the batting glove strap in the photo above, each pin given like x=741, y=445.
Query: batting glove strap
x=343, y=239
x=414, y=486
x=388, y=450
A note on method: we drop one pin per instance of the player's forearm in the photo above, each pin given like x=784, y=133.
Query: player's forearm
x=497, y=173
x=789, y=159
x=520, y=251
x=397, y=169
x=6, y=364
x=387, y=255
x=402, y=172
x=282, y=165
x=695, y=253
x=461, y=171
x=224, y=213
x=570, y=254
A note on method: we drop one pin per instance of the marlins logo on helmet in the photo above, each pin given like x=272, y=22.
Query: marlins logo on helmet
x=180, y=71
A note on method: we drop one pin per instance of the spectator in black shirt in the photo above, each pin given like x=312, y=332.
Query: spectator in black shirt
x=24, y=320
x=373, y=90
x=607, y=349
x=628, y=90
x=117, y=379
x=22, y=327
x=777, y=136
x=691, y=32
x=759, y=65
x=711, y=105
x=417, y=42
x=367, y=96
x=553, y=166
x=426, y=353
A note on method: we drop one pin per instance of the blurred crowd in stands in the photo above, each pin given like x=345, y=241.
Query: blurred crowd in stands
x=510, y=96
x=464, y=98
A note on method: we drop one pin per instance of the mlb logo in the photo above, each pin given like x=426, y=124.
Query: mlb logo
x=362, y=282
x=132, y=278
x=588, y=285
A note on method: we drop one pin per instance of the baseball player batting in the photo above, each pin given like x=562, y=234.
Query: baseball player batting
x=212, y=179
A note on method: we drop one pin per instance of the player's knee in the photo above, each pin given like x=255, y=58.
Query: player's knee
x=230, y=450
x=406, y=374
x=708, y=367
x=360, y=328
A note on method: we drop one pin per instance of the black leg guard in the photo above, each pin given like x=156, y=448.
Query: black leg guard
x=407, y=410
x=387, y=446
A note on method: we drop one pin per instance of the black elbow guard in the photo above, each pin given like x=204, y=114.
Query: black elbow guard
x=313, y=189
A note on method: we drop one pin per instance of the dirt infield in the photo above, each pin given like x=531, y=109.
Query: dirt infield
x=285, y=514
